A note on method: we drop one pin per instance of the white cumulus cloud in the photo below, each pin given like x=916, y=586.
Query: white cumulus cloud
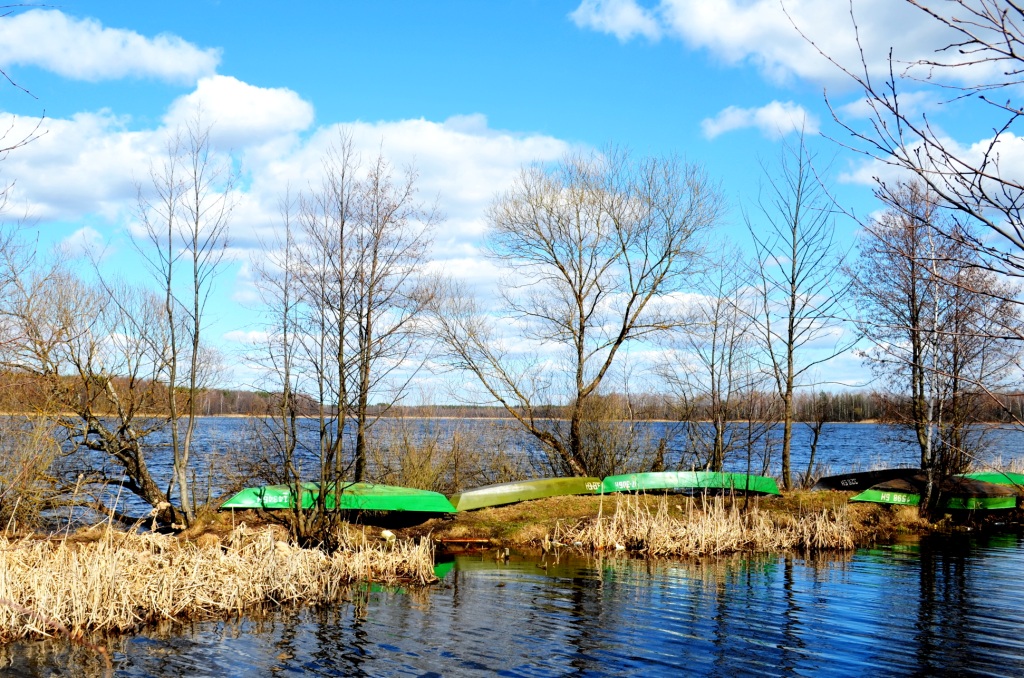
x=774, y=120
x=767, y=33
x=239, y=113
x=83, y=241
x=86, y=164
x=622, y=18
x=84, y=49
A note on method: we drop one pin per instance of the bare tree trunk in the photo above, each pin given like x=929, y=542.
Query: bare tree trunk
x=189, y=219
x=594, y=242
x=799, y=302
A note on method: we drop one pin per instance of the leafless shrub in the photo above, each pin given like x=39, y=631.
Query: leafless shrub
x=28, y=449
x=442, y=455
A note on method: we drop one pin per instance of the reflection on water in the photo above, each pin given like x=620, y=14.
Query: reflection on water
x=939, y=607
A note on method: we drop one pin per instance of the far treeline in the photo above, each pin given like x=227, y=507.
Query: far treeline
x=618, y=279
x=21, y=393
x=826, y=406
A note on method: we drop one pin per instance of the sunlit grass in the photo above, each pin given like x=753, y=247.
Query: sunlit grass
x=714, y=529
x=121, y=581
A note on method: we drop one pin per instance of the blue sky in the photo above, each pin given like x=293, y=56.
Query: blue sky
x=466, y=91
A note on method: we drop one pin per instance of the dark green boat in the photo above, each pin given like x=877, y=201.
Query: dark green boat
x=690, y=480
x=523, y=490
x=861, y=480
x=878, y=496
x=353, y=497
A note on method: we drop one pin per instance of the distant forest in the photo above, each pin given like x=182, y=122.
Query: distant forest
x=843, y=406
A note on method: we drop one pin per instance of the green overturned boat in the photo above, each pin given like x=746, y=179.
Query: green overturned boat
x=523, y=490
x=352, y=497
x=997, y=477
x=690, y=480
x=960, y=493
x=881, y=496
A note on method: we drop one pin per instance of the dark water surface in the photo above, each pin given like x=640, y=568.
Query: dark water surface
x=938, y=607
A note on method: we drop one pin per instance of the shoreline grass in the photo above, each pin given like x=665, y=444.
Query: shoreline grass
x=121, y=581
x=109, y=581
x=716, y=529
x=531, y=523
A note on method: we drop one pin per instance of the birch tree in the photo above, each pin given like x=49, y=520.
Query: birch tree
x=936, y=324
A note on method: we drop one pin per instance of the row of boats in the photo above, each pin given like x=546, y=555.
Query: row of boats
x=986, y=490
x=362, y=496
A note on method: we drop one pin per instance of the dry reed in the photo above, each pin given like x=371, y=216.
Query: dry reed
x=714, y=530
x=122, y=581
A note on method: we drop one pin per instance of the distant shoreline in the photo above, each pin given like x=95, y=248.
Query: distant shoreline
x=447, y=417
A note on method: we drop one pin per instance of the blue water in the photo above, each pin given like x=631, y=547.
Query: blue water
x=938, y=607
x=842, y=447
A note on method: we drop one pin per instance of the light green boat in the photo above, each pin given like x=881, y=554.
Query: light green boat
x=524, y=490
x=964, y=493
x=353, y=497
x=998, y=477
x=690, y=480
x=878, y=496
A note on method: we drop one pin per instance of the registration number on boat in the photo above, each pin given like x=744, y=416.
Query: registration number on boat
x=896, y=498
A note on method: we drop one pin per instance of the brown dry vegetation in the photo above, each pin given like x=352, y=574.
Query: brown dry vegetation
x=116, y=581
x=712, y=530
x=104, y=580
x=672, y=525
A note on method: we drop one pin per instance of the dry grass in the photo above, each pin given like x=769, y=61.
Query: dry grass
x=431, y=455
x=121, y=581
x=820, y=514
x=28, y=448
x=716, y=529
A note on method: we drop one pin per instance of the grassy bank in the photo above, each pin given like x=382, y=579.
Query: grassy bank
x=672, y=525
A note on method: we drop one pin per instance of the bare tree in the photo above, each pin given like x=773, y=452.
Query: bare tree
x=596, y=247
x=322, y=263
x=800, y=295
x=388, y=246
x=712, y=367
x=277, y=278
x=345, y=290
x=93, y=364
x=935, y=320
x=980, y=68
x=185, y=213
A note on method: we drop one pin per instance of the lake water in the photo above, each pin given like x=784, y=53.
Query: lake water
x=843, y=447
x=937, y=607
x=946, y=606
